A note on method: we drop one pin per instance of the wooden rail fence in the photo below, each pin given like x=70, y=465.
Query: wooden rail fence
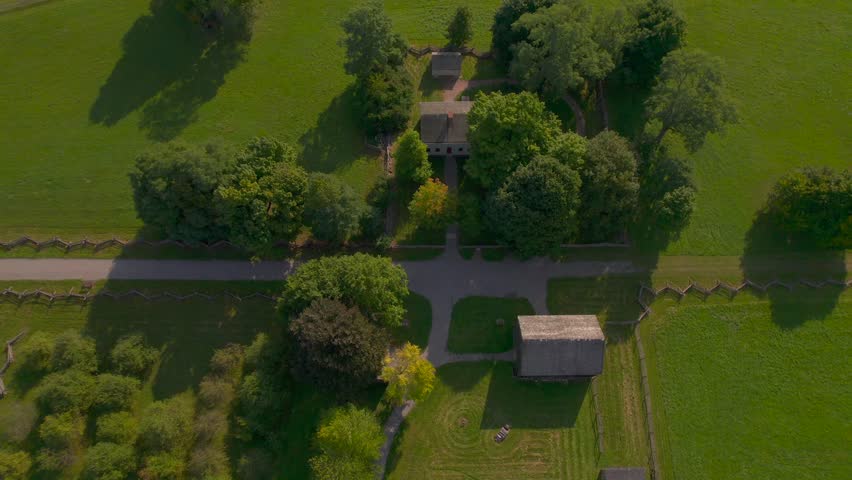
x=85, y=297
x=10, y=358
x=466, y=51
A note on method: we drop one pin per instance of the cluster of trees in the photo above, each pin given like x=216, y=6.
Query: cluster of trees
x=431, y=206
x=254, y=197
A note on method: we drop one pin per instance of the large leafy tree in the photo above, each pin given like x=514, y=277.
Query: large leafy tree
x=385, y=98
x=689, y=97
x=262, y=199
x=235, y=17
x=350, y=440
x=610, y=189
x=374, y=284
x=815, y=205
x=332, y=208
x=173, y=186
x=336, y=348
x=370, y=42
x=409, y=375
x=14, y=465
x=659, y=30
x=431, y=206
x=460, y=31
x=507, y=131
x=108, y=461
x=411, y=159
x=504, y=32
x=536, y=208
x=666, y=195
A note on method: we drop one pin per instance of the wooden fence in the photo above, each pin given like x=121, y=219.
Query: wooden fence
x=466, y=51
x=85, y=297
x=10, y=358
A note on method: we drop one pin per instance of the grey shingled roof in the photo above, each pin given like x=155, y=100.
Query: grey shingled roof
x=436, y=126
x=559, y=346
x=446, y=63
x=562, y=327
x=622, y=474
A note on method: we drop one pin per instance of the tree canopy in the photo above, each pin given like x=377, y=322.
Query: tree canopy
x=370, y=41
x=507, y=131
x=659, y=29
x=411, y=159
x=350, y=440
x=333, y=210
x=384, y=99
x=431, y=207
x=460, y=30
x=504, y=32
x=409, y=375
x=14, y=465
x=108, y=461
x=536, y=208
x=666, y=195
x=689, y=97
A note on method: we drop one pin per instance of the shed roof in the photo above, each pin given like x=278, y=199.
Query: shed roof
x=560, y=327
x=446, y=63
x=622, y=473
x=444, y=122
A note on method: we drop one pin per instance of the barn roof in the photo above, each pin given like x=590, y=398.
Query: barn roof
x=444, y=122
x=446, y=64
x=559, y=346
x=560, y=327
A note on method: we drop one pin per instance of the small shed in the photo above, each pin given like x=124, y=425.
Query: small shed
x=559, y=346
x=443, y=127
x=446, y=64
x=622, y=473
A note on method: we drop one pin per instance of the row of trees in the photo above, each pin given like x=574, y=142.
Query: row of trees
x=253, y=197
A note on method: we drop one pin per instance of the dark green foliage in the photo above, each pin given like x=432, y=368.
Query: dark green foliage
x=109, y=461
x=666, y=195
x=66, y=391
x=471, y=222
x=349, y=439
x=333, y=210
x=120, y=427
x=384, y=99
x=215, y=393
x=814, y=205
x=36, y=353
x=163, y=466
x=262, y=198
x=460, y=31
x=130, y=356
x=610, y=190
x=62, y=431
x=374, y=284
x=659, y=30
x=507, y=131
x=51, y=462
x=535, y=210
x=166, y=426
x=689, y=97
x=411, y=161
x=569, y=149
x=115, y=392
x=336, y=348
x=72, y=350
x=14, y=465
x=504, y=34
x=173, y=187
x=234, y=18
x=370, y=41
x=263, y=392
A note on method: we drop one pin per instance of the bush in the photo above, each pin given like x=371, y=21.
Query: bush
x=215, y=393
x=227, y=362
x=52, y=461
x=411, y=161
x=166, y=425
x=18, y=421
x=61, y=432
x=163, y=466
x=333, y=210
x=350, y=440
x=130, y=356
x=72, y=350
x=115, y=392
x=336, y=348
x=120, y=427
x=71, y=390
x=37, y=353
x=209, y=463
x=14, y=465
x=108, y=461
x=432, y=207
x=263, y=392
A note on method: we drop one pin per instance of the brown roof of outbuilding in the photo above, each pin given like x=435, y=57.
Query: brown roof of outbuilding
x=444, y=122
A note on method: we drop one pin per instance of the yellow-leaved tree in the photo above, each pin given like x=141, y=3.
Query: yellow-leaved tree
x=409, y=376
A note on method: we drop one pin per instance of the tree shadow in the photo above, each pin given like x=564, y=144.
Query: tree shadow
x=336, y=140
x=772, y=254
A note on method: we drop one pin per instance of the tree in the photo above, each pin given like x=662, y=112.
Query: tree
x=119, y=427
x=384, y=99
x=130, y=356
x=264, y=390
x=460, y=31
x=115, y=392
x=411, y=161
x=108, y=461
x=659, y=29
x=370, y=41
x=235, y=17
x=74, y=351
x=432, y=207
x=610, y=191
x=507, y=131
x=37, y=353
x=504, y=32
x=173, y=186
x=569, y=149
x=336, y=348
x=166, y=426
x=815, y=205
x=333, y=210
x=62, y=431
x=14, y=465
x=262, y=199
x=666, y=195
x=561, y=51
x=350, y=440
x=163, y=466
x=66, y=391
x=409, y=375
x=374, y=284
x=689, y=97
x=536, y=208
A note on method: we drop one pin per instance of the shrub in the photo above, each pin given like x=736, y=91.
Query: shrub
x=37, y=353
x=14, y=465
x=114, y=392
x=261, y=400
x=62, y=431
x=432, y=207
x=349, y=439
x=109, y=461
x=18, y=421
x=71, y=390
x=209, y=463
x=411, y=161
x=333, y=210
x=52, y=461
x=120, y=427
x=215, y=393
x=210, y=427
x=130, y=356
x=72, y=350
x=166, y=426
x=163, y=466
x=227, y=362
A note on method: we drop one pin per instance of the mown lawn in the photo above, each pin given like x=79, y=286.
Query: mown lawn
x=753, y=388
x=474, y=327
x=450, y=434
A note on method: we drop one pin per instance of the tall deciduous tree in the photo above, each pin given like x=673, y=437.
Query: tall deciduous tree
x=332, y=208
x=536, y=209
x=659, y=30
x=350, y=440
x=507, y=131
x=666, y=195
x=460, y=31
x=336, y=348
x=409, y=375
x=370, y=41
x=235, y=17
x=385, y=98
x=431, y=206
x=504, y=32
x=610, y=189
x=411, y=159
x=689, y=97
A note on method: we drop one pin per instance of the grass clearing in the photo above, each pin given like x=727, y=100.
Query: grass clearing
x=450, y=434
x=474, y=327
x=752, y=388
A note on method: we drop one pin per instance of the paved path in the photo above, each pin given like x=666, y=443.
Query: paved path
x=461, y=85
x=391, y=429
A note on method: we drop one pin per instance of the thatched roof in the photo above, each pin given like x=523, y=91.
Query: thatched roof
x=622, y=473
x=444, y=122
x=560, y=346
x=446, y=64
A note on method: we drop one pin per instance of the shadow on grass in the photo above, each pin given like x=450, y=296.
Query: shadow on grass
x=336, y=140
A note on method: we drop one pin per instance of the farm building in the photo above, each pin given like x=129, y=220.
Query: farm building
x=443, y=127
x=446, y=64
x=559, y=346
x=621, y=473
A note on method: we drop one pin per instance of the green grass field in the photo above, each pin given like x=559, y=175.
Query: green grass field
x=474, y=328
x=450, y=434
x=753, y=388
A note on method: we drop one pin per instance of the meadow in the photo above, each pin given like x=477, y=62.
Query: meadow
x=474, y=327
